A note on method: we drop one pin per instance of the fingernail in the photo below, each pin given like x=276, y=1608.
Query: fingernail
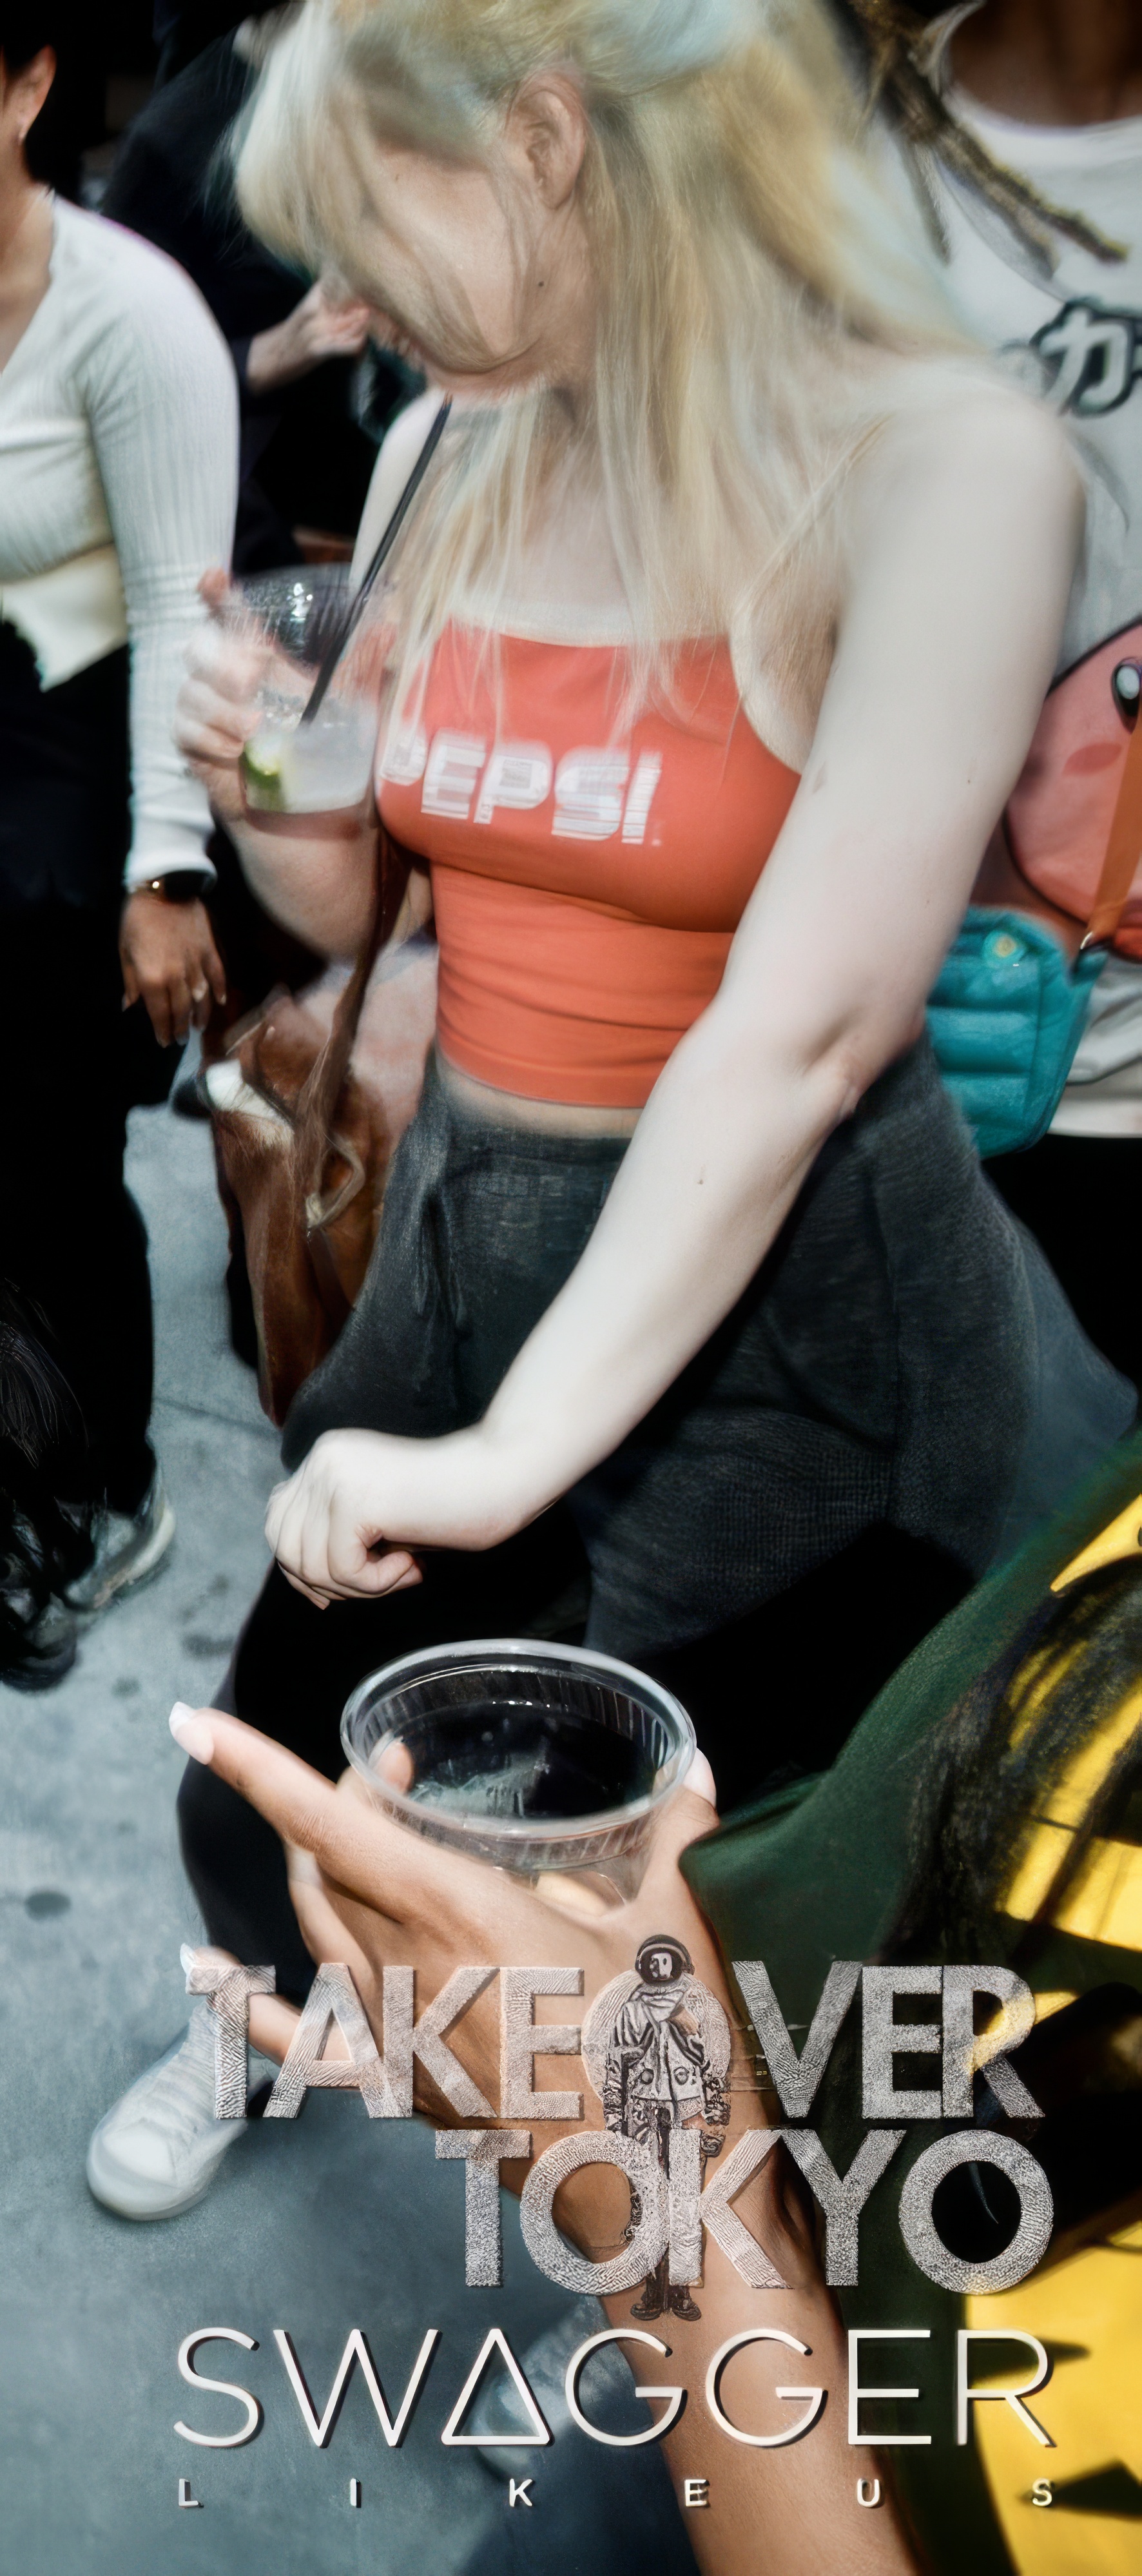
x=192, y=1732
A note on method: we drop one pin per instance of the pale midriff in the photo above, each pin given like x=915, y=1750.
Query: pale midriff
x=588, y=875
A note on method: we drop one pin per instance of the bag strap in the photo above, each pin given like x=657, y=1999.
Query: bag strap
x=318, y=1098
x=1123, y=849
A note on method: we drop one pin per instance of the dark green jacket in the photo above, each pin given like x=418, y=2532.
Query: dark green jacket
x=819, y=1873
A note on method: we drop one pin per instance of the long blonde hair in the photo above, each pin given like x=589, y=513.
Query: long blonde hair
x=759, y=297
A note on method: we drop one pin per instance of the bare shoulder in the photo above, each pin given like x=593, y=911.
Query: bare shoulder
x=961, y=445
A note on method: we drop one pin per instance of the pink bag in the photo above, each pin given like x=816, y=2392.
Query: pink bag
x=1060, y=815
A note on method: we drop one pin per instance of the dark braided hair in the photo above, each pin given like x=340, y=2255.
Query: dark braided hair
x=992, y=1768
x=892, y=41
x=44, y=1541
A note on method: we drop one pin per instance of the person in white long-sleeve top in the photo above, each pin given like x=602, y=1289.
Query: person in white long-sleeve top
x=118, y=461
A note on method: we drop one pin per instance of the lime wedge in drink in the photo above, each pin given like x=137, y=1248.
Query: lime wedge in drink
x=264, y=772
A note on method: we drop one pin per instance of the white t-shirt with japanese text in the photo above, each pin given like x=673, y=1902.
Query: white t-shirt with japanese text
x=1076, y=338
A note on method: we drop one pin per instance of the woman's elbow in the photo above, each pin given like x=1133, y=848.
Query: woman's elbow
x=827, y=1067
x=852, y=1058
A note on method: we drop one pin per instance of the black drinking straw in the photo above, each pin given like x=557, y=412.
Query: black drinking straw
x=334, y=650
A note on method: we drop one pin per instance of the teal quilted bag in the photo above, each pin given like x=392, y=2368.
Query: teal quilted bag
x=1005, y=1020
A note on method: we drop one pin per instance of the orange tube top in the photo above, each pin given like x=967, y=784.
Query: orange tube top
x=587, y=880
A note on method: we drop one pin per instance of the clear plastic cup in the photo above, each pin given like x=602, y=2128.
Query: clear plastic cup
x=325, y=766
x=533, y=1757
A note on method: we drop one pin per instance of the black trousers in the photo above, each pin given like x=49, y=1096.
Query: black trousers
x=71, y=1236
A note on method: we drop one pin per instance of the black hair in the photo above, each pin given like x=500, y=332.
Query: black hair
x=45, y=1541
x=26, y=26
x=62, y=127
x=992, y=1767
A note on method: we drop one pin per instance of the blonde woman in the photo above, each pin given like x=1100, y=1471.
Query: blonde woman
x=721, y=634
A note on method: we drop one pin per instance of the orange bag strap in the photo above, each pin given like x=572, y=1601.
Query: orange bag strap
x=1123, y=848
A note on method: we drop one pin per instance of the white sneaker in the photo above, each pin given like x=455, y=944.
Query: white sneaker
x=128, y=1550
x=160, y=2147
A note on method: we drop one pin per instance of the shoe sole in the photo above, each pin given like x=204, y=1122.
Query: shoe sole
x=140, y=1571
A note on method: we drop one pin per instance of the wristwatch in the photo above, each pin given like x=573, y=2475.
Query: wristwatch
x=180, y=885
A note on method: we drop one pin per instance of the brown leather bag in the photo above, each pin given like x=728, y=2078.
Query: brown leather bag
x=302, y=1149
x=301, y=1145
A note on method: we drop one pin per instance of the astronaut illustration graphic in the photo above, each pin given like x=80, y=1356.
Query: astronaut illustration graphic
x=657, y=2050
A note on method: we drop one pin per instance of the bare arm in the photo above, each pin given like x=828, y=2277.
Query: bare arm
x=963, y=535
x=963, y=553
x=313, y=874
x=802, y=2499
x=370, y=1894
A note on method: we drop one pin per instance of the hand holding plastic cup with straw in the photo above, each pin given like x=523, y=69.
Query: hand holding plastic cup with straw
x=318, y=758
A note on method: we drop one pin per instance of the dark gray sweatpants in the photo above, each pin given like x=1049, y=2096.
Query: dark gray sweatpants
x=903, y=1356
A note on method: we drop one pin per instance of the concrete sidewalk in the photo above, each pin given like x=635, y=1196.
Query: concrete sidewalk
x=316, y=2227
